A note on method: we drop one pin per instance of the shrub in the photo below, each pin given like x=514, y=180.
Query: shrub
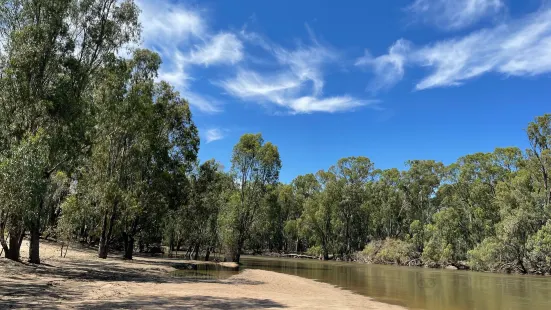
x=486, y=255
x=539, y=250
x=391, y=251
x=315, y=251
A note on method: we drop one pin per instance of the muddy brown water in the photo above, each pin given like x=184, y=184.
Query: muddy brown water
x=420, y=288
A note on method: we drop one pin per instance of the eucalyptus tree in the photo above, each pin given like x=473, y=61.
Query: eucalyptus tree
x=521, y=235
x=386, y=205
x=352, y=176
x=319, y=214
x=539, y=135
x=21, y=184
x=302, y=188
x=51, y=51
x=142, y=129
x=255, y=166
x=208, y=194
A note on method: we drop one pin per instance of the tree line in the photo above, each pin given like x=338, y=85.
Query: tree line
x=94, y=149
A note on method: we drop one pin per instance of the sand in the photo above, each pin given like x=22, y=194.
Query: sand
x=83, y=281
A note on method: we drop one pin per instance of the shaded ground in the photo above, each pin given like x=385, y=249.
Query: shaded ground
x=81, y=281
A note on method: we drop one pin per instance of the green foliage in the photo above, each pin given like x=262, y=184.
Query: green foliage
x=539, y=250
x=444, y=243
x=486, y=256
x=255, y=167
x=315, y=250
x=390, y=251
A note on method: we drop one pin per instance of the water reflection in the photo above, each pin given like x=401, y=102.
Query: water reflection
x=202, y=272
x=419, y=288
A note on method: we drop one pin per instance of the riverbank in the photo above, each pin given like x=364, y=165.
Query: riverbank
x=80, y=280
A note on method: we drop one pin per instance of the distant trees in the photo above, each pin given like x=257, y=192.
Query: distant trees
x=489, y=211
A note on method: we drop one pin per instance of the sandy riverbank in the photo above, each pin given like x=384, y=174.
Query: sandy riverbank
x=82, y=281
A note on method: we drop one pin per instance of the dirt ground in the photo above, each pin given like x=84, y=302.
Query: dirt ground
x=83, y=281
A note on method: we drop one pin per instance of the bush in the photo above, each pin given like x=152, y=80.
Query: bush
x=486, y=256
x=315, y=251
x=539, y=250
x=390, y=251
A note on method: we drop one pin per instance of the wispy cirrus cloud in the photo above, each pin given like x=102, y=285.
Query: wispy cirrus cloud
x=292, y=79
x=389, y=68
x=309, y=104
x=296, y=84
x=454, y=14
x=182, y=36
x=222, y=48
x=519, y=48
x=214, y=134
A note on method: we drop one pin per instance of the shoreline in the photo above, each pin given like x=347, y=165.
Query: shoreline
x=82, y=281
x=452, y=267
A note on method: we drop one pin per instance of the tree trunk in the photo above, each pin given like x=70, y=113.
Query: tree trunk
x=102, y=249
x=13, y=251
x=171, y=244
x=325, y=251
x=34, y=244
x=196, y=251
x=234, y=253
x=128, y=247
x=207, y=255
x=188, y=252
x=106, y=231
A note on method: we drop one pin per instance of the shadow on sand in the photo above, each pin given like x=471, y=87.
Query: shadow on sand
x=27, y=286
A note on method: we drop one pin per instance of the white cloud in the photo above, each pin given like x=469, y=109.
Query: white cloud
x=455, y=14
x=181, y=35
x=518, y=48
x=251, y=85
x=292, y=79
x=214, y=134
x=222, y=48
x=521, y=48
x=306, y=63
x=389, y=68
x=176, y=74
x=297, y=83
x=205, y=103
x=308, y=104
x=164, y=22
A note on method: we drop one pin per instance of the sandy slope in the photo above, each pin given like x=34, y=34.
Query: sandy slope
x=82, y=281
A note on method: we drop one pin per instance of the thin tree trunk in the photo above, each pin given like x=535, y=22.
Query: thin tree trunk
x=325, y=251
x=207, y=255
x=128, y=247
x=196, y=251
x=102, y=249
x=171, y=243
x=34, y=244
x=106, y=232
x=234, y=254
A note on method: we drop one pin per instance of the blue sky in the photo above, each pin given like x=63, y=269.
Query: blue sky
x=390, y=80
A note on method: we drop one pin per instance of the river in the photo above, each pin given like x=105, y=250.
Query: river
x=420, y=288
